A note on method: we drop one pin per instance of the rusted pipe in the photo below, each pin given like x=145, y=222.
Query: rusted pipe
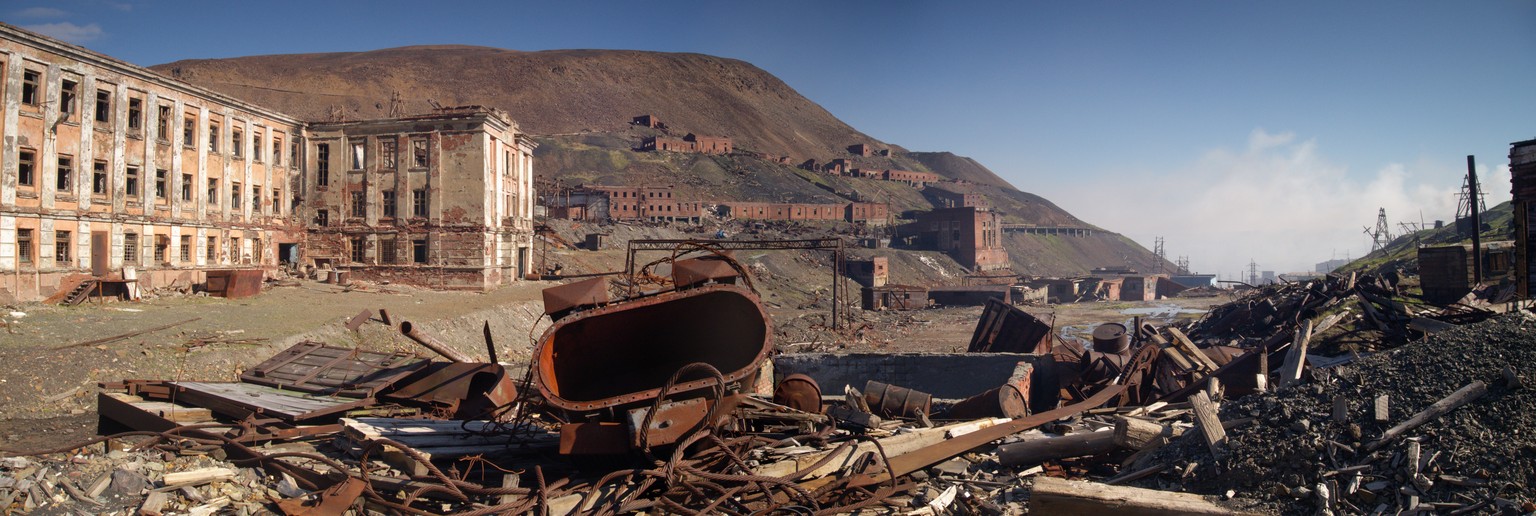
x=411, y=332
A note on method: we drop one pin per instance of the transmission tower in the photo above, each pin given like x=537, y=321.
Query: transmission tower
x=1470, y=200
x=1382, y=234
x=1162, y=258
x=1182, y=264
x=1253, y=272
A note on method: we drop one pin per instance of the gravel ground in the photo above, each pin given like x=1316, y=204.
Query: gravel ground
x=1294, y=443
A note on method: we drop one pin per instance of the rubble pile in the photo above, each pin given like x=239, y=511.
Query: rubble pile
x=1323, y=444
x=152, y=480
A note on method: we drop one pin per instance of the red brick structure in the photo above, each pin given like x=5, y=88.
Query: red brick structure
x=648, y=121
x=870, y=213
x=942, y=198
x=971, y=236
x=690, y=143
x=596, y=202
x=903, y=176
x=860, y=149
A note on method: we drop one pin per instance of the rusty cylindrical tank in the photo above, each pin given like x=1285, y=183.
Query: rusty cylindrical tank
x=891, y=401
x=799, y=392
x=1111, y=338
x=621, y=354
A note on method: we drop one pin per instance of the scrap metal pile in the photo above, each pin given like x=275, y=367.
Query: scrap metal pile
x=674, y=401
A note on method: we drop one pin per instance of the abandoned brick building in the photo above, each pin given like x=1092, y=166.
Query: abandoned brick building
x=448, y=194
x=945, y=198
x=972, y=236
x=108, y=166
x=690, y=143
x=857, y=212
x=596, y=202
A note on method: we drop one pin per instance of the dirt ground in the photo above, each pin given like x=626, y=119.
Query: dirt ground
x=52, y=357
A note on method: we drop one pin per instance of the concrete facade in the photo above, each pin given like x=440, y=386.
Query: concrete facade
x=444, y=199
x=108, y=166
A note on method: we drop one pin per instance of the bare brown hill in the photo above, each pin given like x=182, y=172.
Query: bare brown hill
x=548, y=92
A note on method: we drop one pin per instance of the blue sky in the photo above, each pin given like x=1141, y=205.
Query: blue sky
x=1269, y=131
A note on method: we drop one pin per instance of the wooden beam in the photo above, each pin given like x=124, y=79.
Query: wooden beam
x=1295, y=358
x=1044, y=449
x=1210, y=425
x=1193, y=353
x=1070, y=497
x=1461, y=397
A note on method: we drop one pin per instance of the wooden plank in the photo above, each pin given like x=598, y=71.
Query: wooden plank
x=1189, y=349
x=242, y=399
x=1210, y=425
x=1035, y=451
x=174, y=412
x=1070, y=497
x=1295, y=358
x=1461, y=397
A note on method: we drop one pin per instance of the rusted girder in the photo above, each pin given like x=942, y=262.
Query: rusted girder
x=414, y=333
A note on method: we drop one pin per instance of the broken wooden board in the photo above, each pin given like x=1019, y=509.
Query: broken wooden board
x=1070, y=497
x=438, y=440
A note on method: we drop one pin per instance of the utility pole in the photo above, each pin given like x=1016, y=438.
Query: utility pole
x=1477, y=222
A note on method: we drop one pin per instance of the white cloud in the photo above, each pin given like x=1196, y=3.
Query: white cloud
x=68, y=31
x=1278, y=202
x=37, y=13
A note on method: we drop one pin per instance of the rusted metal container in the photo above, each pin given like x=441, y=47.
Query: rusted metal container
x=234, y=283
x=891, y=401
x=620, y=355
x=1111, y=338
x=696, y=271
x=799, y=392
x=1002, y=401
x=563, y=299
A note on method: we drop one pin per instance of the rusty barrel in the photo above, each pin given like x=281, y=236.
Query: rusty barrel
x=1004, y=401
x=1111, y=338
x=892, y=401
x=799, y=392
x=621, y=354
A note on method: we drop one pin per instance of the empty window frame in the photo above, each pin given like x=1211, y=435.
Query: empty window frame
x=99, y=178
x=31, y=91
x=103, y=106
x=212, y=250
x=162, y=248
x=323, y=164
x=213, y=191
x=389, y=152
x=277, y=201
x=186, y=249
x=61, y=247
x=69, y=98
x=235, y=193
x=189, y=131
x=162, y=178
x=419, y=251
x=256, y=145
x=135, y=115
x=420, y=154
x=357, y=154
x=359, y=204
x=359, y=249
x=389, y=203
x=236, y=142
x=163, y=123
x=131, y=181
x=186, y=187
x=213, y=137
x=419, y=202
x=277, y=150
x=26, y=167
x=65, y=175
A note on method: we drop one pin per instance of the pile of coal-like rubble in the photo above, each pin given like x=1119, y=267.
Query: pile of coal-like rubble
x=1299, y=455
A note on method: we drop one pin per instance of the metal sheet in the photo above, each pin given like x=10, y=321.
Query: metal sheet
x=239, y=400
x=314, y=368
x=463, y=390
x=696, y=271
x=1005, y=328
x=563, y=298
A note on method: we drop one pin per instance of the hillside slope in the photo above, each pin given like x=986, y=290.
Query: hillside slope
x=549, y=92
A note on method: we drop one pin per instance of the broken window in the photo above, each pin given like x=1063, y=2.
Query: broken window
x=160, y=183
x=357, y=154
x=359, y=250
x=186, y=187
x=24, y=245
x=103, y=106
x=29, y=87
x=163, y=123
x=386, y=249
x=277, y=150
x=234, y=195
x=419, y=153
x=189, y=131
x=213, y=137
x=24, y=168
x=359, y=205
x=99, y=178
x=186, y=248
x=69, y=93
x=323, y=164
x=419, y=202
x=236, y=142
x=65, y=174
x=131, y=182
x=61, y=247
x=162, y=248
x=389, y=148
x=213, y=191
x=389, y=203
x=212, y=251
x=256, y=146
x=255, y=198
x=131, y=248
x=419, y=251
x=135, y=115
x=322, y=218
x=277, y=201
